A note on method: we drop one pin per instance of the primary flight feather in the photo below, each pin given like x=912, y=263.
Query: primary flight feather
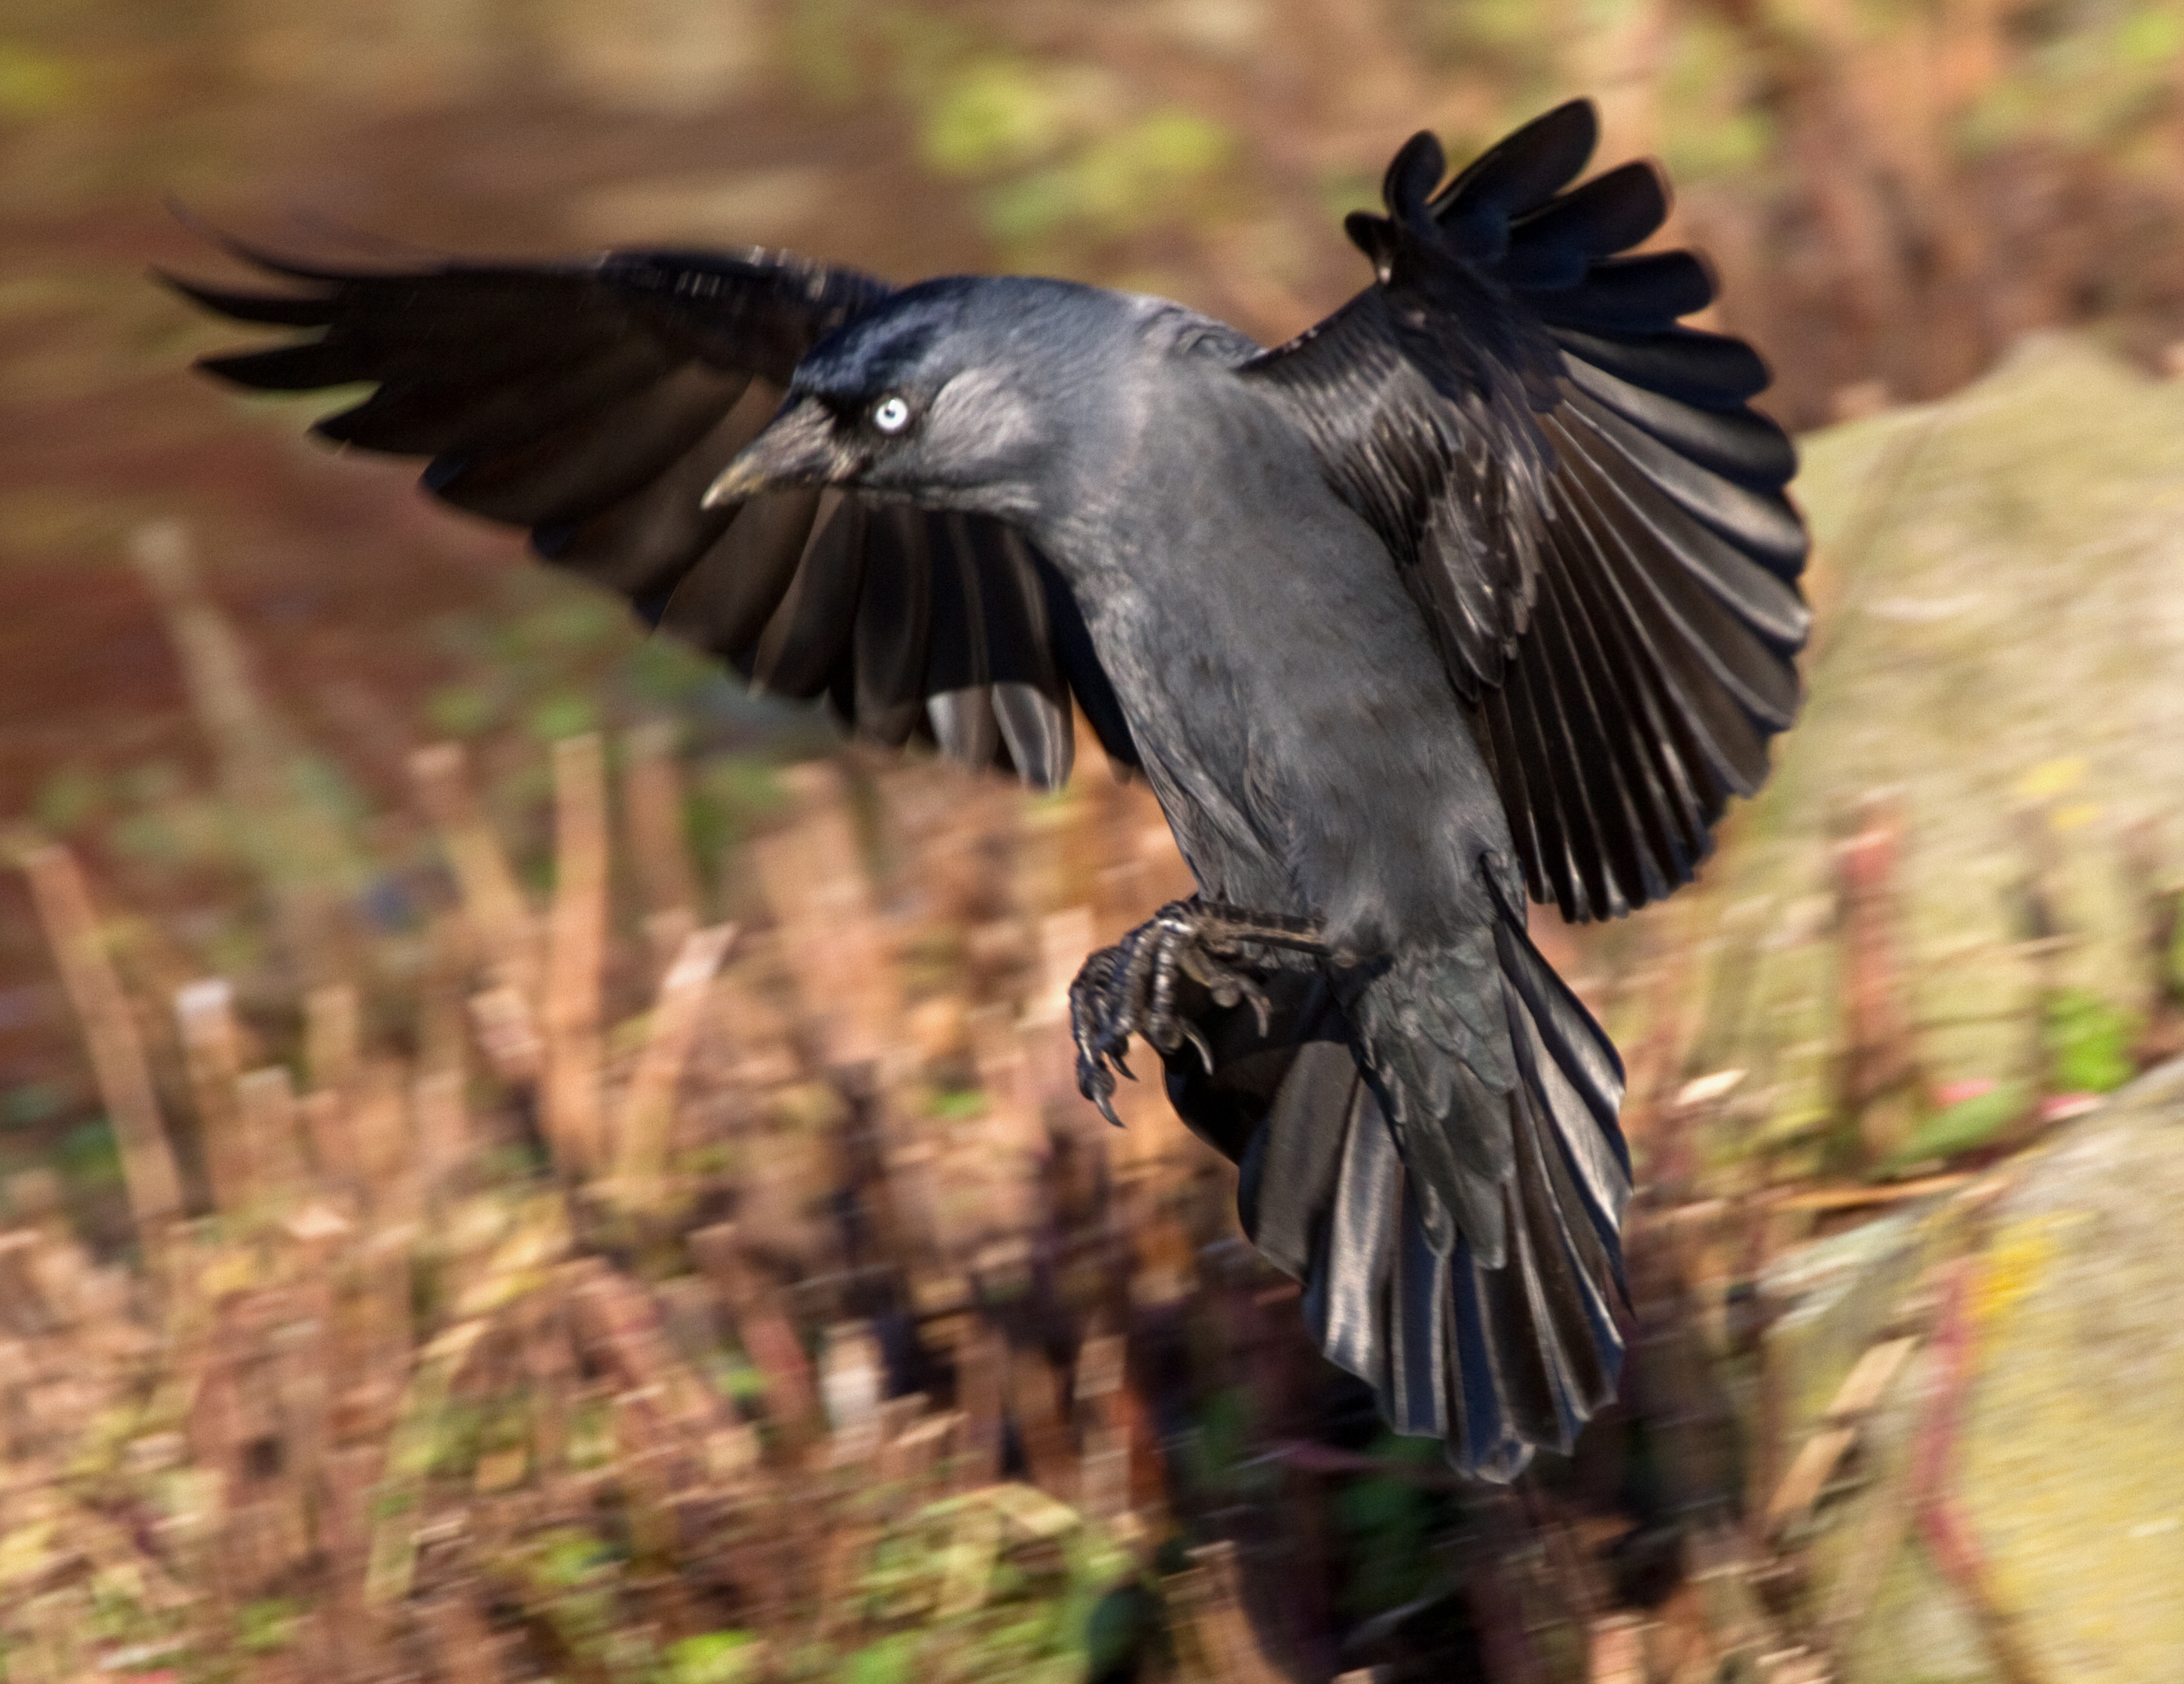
x=1483, y=588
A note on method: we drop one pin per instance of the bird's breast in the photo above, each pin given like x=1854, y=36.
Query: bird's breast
x=1293, y=716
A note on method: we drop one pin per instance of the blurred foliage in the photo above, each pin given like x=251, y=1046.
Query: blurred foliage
x=1062, y=155
x=1965, y=1126
x=1388, y=1522
x=710, y=1657
x=1717, y=128
x=267, y=1625
x=1893, y=192
x=89, y=1157
x=1516, y=46
x=34, y=83
x=30, y=1103
x=2089, y=1040
x=2093, y=75
x=1158, y=167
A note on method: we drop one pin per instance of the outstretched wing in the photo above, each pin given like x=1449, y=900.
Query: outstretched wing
x=1580, y=500
x=594, y=402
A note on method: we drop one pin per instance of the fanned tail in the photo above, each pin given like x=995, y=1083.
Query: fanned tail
x=1495, y=1361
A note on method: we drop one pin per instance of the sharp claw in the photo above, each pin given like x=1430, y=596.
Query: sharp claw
x=1128, y=988
x=1095, y=1083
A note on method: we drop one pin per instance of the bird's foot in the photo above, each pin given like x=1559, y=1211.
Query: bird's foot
x=1129, y=989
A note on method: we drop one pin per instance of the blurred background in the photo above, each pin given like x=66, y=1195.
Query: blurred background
x=518, y=1162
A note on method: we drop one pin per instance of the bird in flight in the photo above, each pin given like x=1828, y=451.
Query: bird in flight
x=1481, y=591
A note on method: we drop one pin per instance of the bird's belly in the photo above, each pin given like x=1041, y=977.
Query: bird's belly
x=1304, y=742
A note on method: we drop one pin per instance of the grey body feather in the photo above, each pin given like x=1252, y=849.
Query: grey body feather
x=1338, y=782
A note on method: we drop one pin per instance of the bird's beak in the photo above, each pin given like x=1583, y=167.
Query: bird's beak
x=799, y=448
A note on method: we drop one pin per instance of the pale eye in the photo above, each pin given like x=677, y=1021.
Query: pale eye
x=891, y=415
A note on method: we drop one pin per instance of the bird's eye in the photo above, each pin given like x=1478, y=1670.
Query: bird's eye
x=890, y=414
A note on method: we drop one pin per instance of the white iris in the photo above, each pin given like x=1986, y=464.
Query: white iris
x=891, y=415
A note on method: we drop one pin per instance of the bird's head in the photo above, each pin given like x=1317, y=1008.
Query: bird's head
x=944, y=395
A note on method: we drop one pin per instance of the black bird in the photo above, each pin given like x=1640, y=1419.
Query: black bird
x=1483, y=588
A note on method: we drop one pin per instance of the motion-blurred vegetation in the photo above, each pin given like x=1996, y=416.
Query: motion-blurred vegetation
x=546, y=1284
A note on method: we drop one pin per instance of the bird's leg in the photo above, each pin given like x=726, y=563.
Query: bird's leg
x=1129, y=989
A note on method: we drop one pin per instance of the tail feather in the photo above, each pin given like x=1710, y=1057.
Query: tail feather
x=1495, y=1361
x=1571, y=1069
x=1420, y=1356
x=1351, y=1214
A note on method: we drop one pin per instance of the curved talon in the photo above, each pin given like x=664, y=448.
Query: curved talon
x=1098, y=1086
x=1129, y=989
x=1229, y=987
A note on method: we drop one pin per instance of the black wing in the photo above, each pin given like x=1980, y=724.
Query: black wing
x=593, y=403
x=1579, y=497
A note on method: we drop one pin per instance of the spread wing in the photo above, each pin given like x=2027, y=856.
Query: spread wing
x=594, y=402
x=1587, y=511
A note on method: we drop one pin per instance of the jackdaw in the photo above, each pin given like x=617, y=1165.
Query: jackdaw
x=1482, y=589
